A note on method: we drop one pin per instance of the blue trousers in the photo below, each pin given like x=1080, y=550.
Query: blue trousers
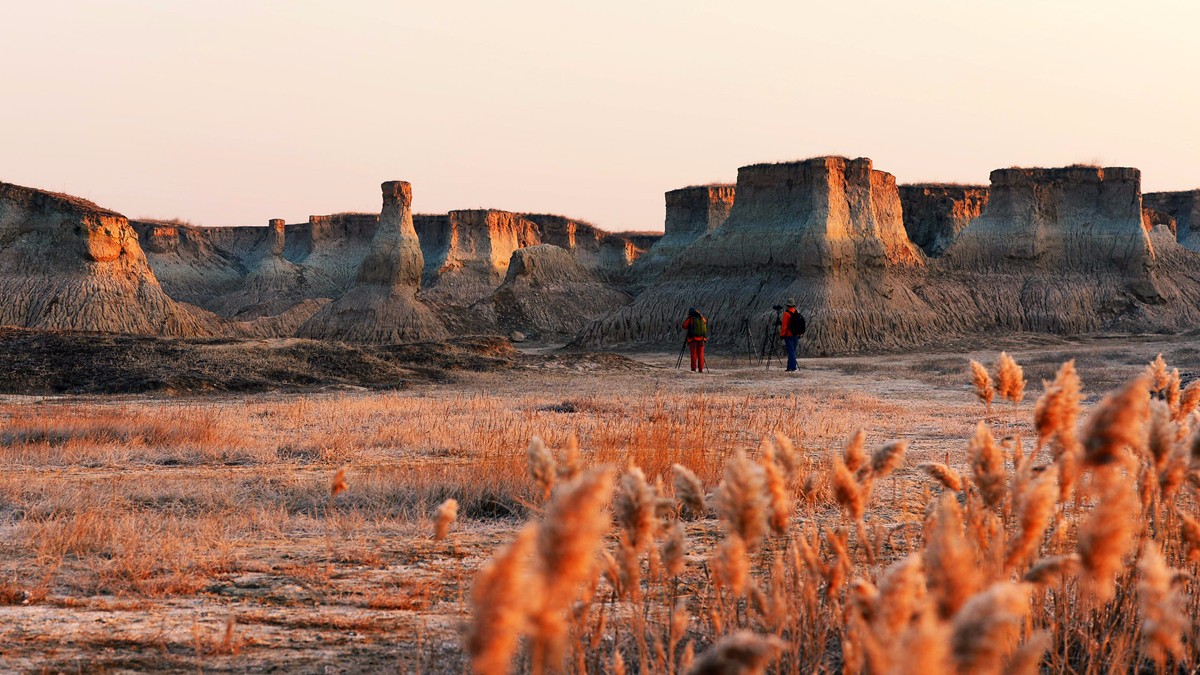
x=790, y=343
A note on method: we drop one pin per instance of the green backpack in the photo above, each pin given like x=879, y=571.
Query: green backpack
x=698, y=327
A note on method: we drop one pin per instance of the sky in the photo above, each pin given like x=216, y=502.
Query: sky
x=233, y=112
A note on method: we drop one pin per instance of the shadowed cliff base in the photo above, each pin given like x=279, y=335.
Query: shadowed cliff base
x=43, y=362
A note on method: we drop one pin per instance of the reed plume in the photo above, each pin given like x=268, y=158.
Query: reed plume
x=742, y=653
x=886, y=459
x=1116, y=424
x=1188, y=401
x=541, y=466
x=1106, y=535
x=689, y=491
x=1173, y=393
x=1052, y=568
x=786, y=455
x=1057, y=410
x=985, y=630
x=1156, y=374
x=732, y=564
x=855, y=454
x=569, y=468
x=1010, y=379
x=1190, y=533
x=901, y=594
x=634, y=508
x=847, y=491
x=1035, y=507
x=500, y=600
x=338, y=484
x=949, y=478
x=1161, y=437
x=983, y=383
x=950, y=564
x=567, y=545
x=1163, y=621
x=779, y=496
x=1028, y=658
x=924, y=649
x=446, y=514
x=741, y=500
x=987, y=466
x=674, y=550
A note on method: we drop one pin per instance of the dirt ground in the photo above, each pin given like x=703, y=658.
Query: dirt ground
x=162, y=533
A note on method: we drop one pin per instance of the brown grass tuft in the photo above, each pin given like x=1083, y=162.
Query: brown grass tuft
x=338, y=484
x=446, y=514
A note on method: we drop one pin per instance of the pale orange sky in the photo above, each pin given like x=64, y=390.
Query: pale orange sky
x=233, y=112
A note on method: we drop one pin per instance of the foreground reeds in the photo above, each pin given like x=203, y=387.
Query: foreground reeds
x=1078, y=555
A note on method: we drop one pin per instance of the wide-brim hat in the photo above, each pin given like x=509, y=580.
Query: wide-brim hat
x=791, y=302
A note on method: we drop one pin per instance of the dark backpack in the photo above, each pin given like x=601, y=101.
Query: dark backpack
x=698, y=327
x=796, y=324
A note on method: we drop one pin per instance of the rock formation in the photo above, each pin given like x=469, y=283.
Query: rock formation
x=1065, y=251
x=934, y=214
x=1153, y=218
x=334, y=245
x=382, y=305
x=1184, y=208
x=691, y=212
x=67, y=264
x=467, y=252
x=547, y=295
x=826, y=231
x=586, y=243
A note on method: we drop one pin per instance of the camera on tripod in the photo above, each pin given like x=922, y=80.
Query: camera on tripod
x=778, y=319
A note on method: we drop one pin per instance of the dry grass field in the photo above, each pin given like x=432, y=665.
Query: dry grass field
x=296, y=532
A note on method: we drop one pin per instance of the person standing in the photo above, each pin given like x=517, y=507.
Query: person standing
x=791, y=327
x=696, y=327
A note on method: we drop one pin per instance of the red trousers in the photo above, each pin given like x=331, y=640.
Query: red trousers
x=697, y=349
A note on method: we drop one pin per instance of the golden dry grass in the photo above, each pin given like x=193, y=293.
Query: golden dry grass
x=204, y=533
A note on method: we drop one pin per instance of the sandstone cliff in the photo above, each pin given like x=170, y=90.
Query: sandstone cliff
x=239, y=273
x=1152, y=218
x=382, y=305
x=935, y=214
x=467, y=252
x=605, y=253
x=1065, y=251
x=1184, y=208
x=547, y=295
x=690, y=213
x=826, y=231
x=67, y=264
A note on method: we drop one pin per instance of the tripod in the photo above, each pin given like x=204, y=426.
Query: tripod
x=770, y=341
x=749, y=341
